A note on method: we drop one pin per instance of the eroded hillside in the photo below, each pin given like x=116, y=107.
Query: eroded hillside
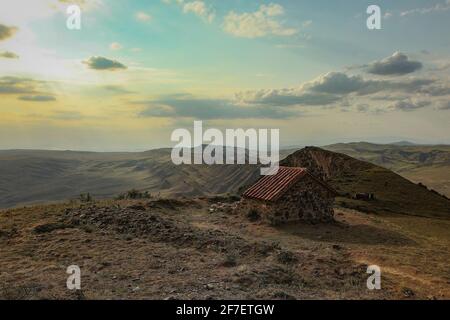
x=47, y=176
x=429, y=165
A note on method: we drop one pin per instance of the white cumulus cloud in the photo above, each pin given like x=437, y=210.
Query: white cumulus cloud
x=200, y=9
x=143, y=17
x=260, y=23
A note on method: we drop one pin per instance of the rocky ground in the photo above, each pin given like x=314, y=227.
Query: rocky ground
x=208, y=249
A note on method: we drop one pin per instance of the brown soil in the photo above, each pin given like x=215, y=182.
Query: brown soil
x=181, y=249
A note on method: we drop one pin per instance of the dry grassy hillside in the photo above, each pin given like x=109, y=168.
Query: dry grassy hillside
x=429, y=165
x=394, y=194
x=184, y=249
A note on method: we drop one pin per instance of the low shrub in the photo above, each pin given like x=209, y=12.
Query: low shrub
x=134, y=194
x=253, y=215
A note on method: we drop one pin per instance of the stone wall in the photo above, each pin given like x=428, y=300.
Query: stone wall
x=307, y=200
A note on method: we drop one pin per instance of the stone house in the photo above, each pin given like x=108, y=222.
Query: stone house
x=292, y=194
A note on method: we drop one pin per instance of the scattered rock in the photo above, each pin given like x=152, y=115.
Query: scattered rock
x=161, y=228
x=340, y=271
x=286, y=257
x=223, y=207
x=282, y=296
x=408, y=293
x=49, y=227
x=229, y=261
x=138, y=207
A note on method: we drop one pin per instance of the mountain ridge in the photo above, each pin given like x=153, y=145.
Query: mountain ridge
x=426, y=164
x=349, y=176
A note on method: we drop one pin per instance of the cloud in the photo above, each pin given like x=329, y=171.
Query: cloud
x=260, y=23
x=8, y=55
x=37, y=98
x=286, y=97
x=200, y=9
x=387, y=15
x=85, y=5
x=365, y=108
x=338, y=83
x=143, y=17
x=331, y=88
x=66, y=115
x=410, y=105
x=439, y=7
x=438, y=89
x=341, y=83
x=410, y=86
x=324, y=90
x=397, y=64
x=27, y=89
x=6, y=32
x=207, y=109
x=101, y=63
x=197, y=7
x=17, y=85
x=116, y=89
x=115, y=46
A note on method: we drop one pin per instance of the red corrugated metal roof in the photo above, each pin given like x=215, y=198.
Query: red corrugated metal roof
x=271, y=188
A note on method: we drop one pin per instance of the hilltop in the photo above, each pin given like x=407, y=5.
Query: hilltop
x=393, y=193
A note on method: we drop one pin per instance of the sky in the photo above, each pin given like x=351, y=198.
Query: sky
x=138, y=69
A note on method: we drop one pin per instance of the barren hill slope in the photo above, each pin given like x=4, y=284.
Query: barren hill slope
x=28, y=176
x=182, y=249
x=349, y=176
x=429, y=164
